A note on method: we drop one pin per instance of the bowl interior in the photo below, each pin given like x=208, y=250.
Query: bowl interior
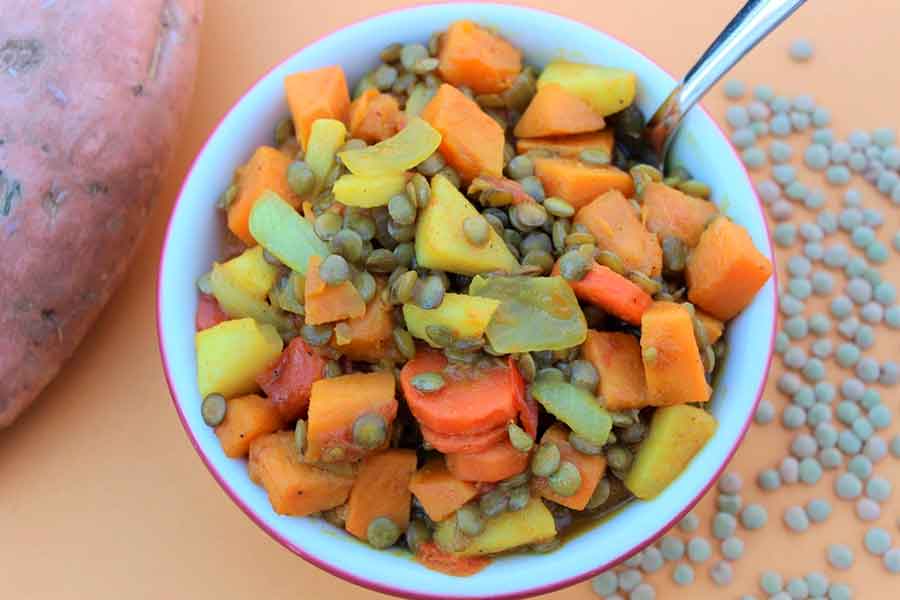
x=194, y=234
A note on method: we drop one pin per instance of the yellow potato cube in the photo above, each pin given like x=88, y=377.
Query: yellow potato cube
x=367, y=191
x=231, y=355
x=250, y=272
x=608, y=90
x=466, y=316
x=532, y=524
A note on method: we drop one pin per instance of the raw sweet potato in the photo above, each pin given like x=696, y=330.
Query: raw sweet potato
x=672, y=365
x=554, y=111
x=294, y=487
x=670, y=212
x=381, y=490
x=613, y=221
x=617, y=358
x=288, y=382
x=329, y=303
x=317, y=94
x=612, y=292
x=471, y=55
x=375, y=117
x=92, y=97
x=577, y=183
x=266, y=170
x=438, y=491
x=725, y=270
x=334, y=406
x=494, y=464
x=247, y=418
x=590, y=467
x=471, y=141
x=569, y=146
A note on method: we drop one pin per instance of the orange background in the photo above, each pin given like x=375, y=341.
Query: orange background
x=101, y=494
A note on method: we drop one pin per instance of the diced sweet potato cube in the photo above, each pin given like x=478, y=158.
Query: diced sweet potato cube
x=369, y=337
x=554, y=111
x=375, y=116
x=672, y=365
x=617, y=358
x=577, y=183
x=295, y=488
x=670, y=212
x=318, y=94
x=329, y=303
x=439, y=492
x=590, y=467
x=472, y=56
x=569, y=146
x=725, y=270
x=336, y=403
x=381, y=490
x=266, y=170
x=613, y=221
x=471, y=141
x=247, y=418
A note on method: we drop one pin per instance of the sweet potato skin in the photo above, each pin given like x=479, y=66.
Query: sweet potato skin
x=92, y=97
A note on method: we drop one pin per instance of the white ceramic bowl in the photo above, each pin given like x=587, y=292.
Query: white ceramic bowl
x=194, y=234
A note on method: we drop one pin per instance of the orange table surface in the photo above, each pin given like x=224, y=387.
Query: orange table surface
x=101, y=494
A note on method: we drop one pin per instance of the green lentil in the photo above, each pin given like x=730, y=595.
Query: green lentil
x=723, y=525
x=382, y=533
x=428, y=382
x=566, y=480
x=369, y=431
x=213, y=409
x=732, y=548
x=721, y=573
x=683, y=574
x=769, y=480
x=520, y=440
x=493, y=503
x=546, y=460
x=818, y=510
x=300, y=178
x=689, y=523
x=334, y=270
x=698, y=550
x=316, y=335
x=839, y=556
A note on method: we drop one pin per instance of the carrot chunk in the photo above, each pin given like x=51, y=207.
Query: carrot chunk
x=671, y=358
x=610, y=291
x=494, y=464
x=318, y=94
x=577, y=183
x=554, y=111
x=381, y=490
x=471, y=141
x=725, y=270
x=670, y=212
x=266, y=170
x=474, y=57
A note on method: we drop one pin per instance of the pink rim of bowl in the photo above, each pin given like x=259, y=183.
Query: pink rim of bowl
x=437, y=16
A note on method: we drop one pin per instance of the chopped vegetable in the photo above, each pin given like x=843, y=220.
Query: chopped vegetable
x=438, y=491
x=590, y=469
x=329, y=303
x=465, y=443
x=471, y=141
x=325, y=138
x=265, y=171
x=578, y=183
x=247, y=418
x=209, y=313
x=368, y=337
x=536, y=313
x=250, y=272
x=608, y=290
x=473, y=399
x=294, y=487
x=381, y=490
x=483, y=61
x=496, y=463
x=231, y=355
x=334, y=406
x=313, y=95
x=617, y=358
x=555, y=111
x=617, y=228
x=466, y=317
x=401, y=152
x=430, y=555
x=238, y=303
x=608, y=90
x=725, y=270
x=280, y=230
x=533, y=524
x=677, y=433
x=374, y=117
x=369, y=191
x=569, y=146
x=714, y=327
x=288, y=381
x=441, y=242
x=672, y=364
x=670, y=212
x=576, y=407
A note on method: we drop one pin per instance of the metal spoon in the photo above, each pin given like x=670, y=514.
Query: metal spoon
x=754, y=22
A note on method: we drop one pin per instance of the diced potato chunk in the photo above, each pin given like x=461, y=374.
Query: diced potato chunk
x=251, y=272
x=441, y=243
x=531, y=525
x=368, y=191
x=677, y=433
x=466, y=316
x=607, y=89
x=231, y=355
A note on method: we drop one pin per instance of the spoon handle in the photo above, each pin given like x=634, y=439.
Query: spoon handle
x=750, y=25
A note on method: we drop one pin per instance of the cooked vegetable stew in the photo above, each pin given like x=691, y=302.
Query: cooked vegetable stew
x=459, y=313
